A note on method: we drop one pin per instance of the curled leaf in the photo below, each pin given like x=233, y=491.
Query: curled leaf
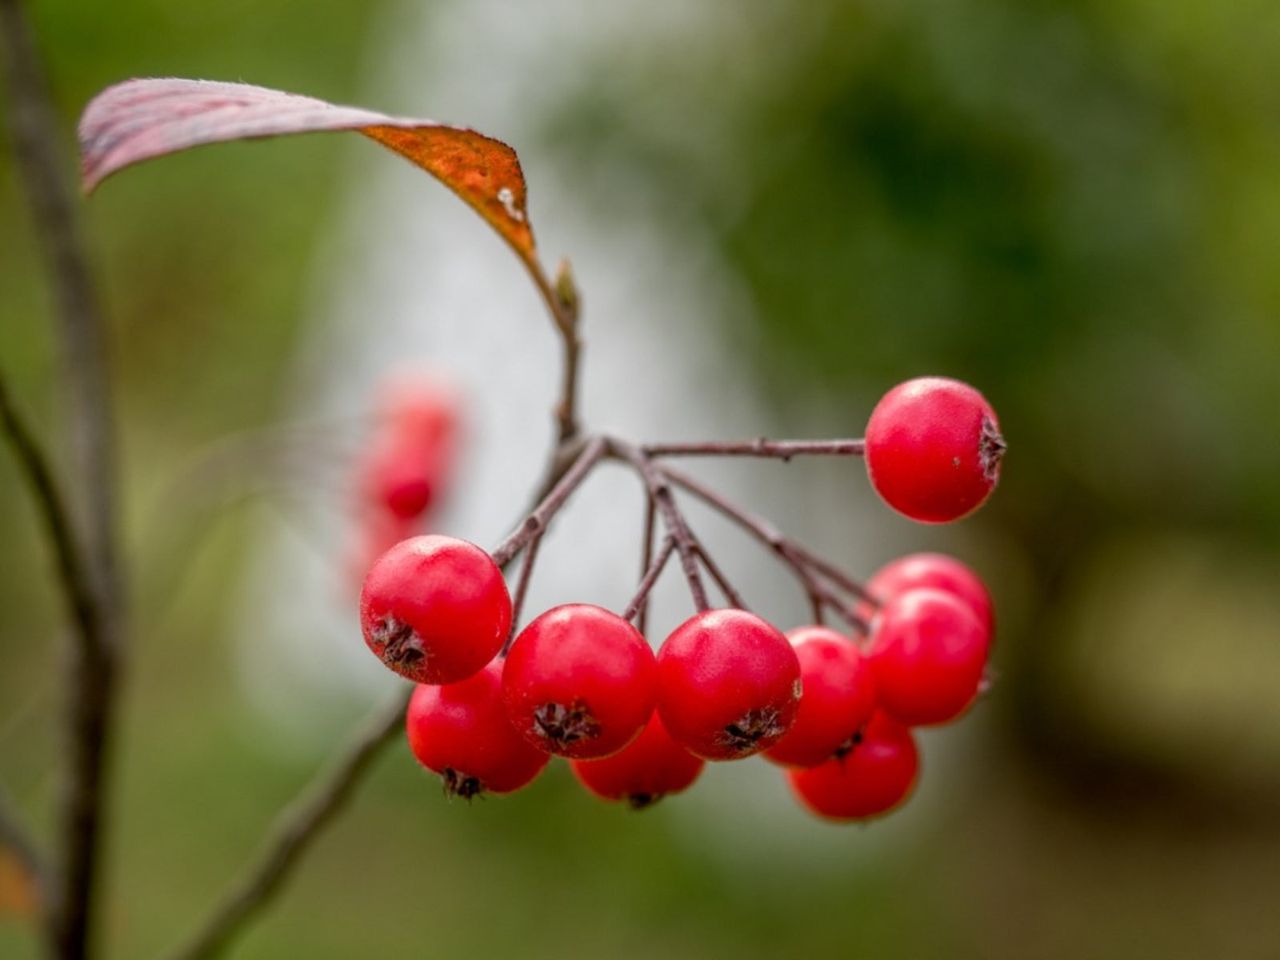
x=140, y=119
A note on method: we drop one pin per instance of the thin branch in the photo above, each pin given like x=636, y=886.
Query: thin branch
x=15, y=838
x=731, y=596
x=802, y=562
x=656, y=484
x=563, y=303
x=777, y=449
x=646, y=558
x=522, y=590
x=656, y=566
x=536, y=522
x=296, y=828
x=73, y=905
x=73, y=574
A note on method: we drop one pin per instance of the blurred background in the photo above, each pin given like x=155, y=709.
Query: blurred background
x=775, y=212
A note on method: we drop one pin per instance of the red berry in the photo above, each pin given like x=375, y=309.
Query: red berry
x=839, y=698
x=411, y=455
x=928, y=652
x=460, y=730
x=872, y=779
x=400, y=474
x=728, y=684
x=931, y=570
x=642, y=773
x=435, y=609
x=933, y=449
x=579, y=681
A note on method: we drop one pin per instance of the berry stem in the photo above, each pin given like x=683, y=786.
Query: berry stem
x=640, y=601
x=522, y=590
x=803, y=563
x=731, y=596
x=660, y=490
x=646, y=558
x=536, y=522
x=775, y=449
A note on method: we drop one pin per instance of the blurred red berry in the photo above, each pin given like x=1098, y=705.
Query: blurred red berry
x=409, y=460
x=728, y=684
x=435, y=609
x=933, y=449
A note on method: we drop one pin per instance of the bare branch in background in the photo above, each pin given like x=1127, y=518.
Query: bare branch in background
x=97, y=593
x=296, y=829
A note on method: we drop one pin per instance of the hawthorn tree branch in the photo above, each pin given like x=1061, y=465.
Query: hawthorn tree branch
x=777, y=449
x=536, y=522
x=651, y=574
x=296, y=829
x=82, y=334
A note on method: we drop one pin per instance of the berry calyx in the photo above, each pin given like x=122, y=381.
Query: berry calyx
x=928, y=652
x=460, y=731
x=931, y=570
x=933, y=449
x=579, y=681
x=435, y=609
x=651, y=767
x=872, y=779
x=728, y=684
x=839, y=698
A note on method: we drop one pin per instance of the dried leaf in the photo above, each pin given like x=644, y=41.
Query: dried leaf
x=18, y=895
x=140, y=119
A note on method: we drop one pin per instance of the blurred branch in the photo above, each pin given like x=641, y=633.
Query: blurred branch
x=34, y=465
x=97, y=593
x=296, y=829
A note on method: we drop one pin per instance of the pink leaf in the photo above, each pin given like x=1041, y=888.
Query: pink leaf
x=140, y=119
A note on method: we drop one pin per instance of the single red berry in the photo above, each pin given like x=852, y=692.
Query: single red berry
x=728, y=684
x=930, y=570
x=872, y=779
x=435, y=609
x=579, y=682
x=643, y=772
x=460, y=731
x=839, y=698
x=928, y=652
x=410, y=458
x=933, y=449
x=400, y=474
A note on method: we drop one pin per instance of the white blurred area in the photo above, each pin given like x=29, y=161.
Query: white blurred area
x=411, y=276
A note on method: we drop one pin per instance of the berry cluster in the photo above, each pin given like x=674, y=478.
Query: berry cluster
x=835, y=709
